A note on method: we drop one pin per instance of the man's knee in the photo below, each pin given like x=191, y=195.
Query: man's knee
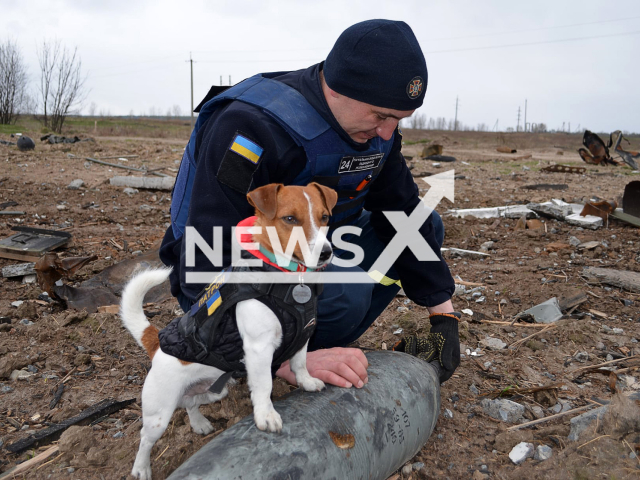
x=341, y=309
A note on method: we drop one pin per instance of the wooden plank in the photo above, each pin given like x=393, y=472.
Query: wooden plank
x=625, y=279
x=569, y=302
x=18, y=256
x=23, y=467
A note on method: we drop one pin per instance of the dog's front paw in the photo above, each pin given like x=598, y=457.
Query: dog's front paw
x=311, y=384
x=268, y=419
x=142, y=473
x=201, y=426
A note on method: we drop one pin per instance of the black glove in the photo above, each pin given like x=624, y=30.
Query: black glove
x=444, y=330
x=425, y=348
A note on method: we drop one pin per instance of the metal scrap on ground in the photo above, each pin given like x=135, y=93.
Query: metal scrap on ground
x=30, y=243
x=50, y=268
x=563, y=169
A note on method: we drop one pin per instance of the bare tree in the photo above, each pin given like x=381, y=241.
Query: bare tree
x=93, y=108
x=61, y=83
x=13, y=82
x=177, y=111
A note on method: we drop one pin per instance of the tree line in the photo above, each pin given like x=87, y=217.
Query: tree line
x=59, y=91
x=420, y=121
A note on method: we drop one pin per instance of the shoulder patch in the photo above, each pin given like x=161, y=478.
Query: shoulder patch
x=239, y=163
x=246, y=148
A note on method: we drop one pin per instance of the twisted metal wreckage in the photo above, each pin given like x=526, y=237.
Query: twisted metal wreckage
x=597, y=153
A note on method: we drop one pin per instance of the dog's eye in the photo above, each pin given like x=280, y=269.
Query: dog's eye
x=290, y=219
x=325, y=218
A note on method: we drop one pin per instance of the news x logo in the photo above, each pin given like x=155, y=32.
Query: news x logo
x=407, y=236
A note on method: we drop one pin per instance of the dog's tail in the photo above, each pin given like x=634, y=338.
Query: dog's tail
x=131, y=311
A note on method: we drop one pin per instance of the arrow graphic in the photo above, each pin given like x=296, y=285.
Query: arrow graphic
x=407, y=236
x=408, y=227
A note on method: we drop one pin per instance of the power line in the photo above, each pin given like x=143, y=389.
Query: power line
x=533, y=43
x=493, y=34
x=491, y=47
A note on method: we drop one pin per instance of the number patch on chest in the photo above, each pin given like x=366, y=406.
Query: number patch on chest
x=357, y=164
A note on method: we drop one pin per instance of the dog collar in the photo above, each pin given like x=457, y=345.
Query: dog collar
x=269, y=257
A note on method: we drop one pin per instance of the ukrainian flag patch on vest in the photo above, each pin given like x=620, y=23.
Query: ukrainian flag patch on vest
x=211, y=295
x=245, y=147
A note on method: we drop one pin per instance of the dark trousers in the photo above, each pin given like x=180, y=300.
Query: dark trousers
x=347, y=310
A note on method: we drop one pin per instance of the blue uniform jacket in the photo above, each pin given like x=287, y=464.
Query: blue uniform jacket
x=221, y=203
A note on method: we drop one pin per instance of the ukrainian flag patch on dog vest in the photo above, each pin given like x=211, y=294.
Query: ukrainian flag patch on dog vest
x=211, y=295
x=245, y=147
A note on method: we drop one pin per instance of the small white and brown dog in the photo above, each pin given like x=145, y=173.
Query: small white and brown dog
x=173, y=383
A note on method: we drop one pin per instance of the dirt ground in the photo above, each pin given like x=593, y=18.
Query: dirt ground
x=97, y=359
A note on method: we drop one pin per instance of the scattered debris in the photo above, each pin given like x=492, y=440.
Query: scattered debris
x=32, y=462
x=546, y=186
x=429, y=150
x=18, y=270
x=563, y=169
x=117, y=165
x=493, y=343
x=30, y=243
x=555, y=209
x=625, y=279
x=105, y=287
x=506, y=150
x=568, y=303
x=597, y=153
x=76, y=184
x=503, y=409
x=588, y=221
x=115, y=309
x=600, y=209
x=25, y=144
x=630, y=158
x=545, y=312
x=521, y=452
x=441, y=158
x=464, y=253
x=543, y=452
x=53, y=139
x=164, y=183
x=631, y=198
x=50, y=268
x=509, y=211
x=4, y=142
x=50, y=434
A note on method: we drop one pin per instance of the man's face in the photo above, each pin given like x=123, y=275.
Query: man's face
x=363, y=121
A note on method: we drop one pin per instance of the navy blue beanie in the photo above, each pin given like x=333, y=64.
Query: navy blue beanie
x=378, y=62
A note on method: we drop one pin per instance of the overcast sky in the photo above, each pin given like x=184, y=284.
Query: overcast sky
x=574, y=61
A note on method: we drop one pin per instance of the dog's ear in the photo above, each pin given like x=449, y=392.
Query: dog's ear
x=329, y=195
x=265, y=199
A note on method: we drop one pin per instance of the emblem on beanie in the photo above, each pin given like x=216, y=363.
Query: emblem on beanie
x=414, y=89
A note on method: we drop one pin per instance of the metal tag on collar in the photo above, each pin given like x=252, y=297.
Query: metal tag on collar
x=301, y=293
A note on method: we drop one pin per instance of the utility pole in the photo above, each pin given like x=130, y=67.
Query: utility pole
x=518, y=126
x=455, y=121
x=525, y=114
x=229, y=80
x=220, y=80
x=569, y=127
x=191, y=62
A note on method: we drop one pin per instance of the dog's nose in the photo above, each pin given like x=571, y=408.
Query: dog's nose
x=326, y=253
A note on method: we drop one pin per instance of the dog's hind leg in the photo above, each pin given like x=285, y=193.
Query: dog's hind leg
x=198, y=422
x=160, y=398
x=261, y=334
x=298, y=365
